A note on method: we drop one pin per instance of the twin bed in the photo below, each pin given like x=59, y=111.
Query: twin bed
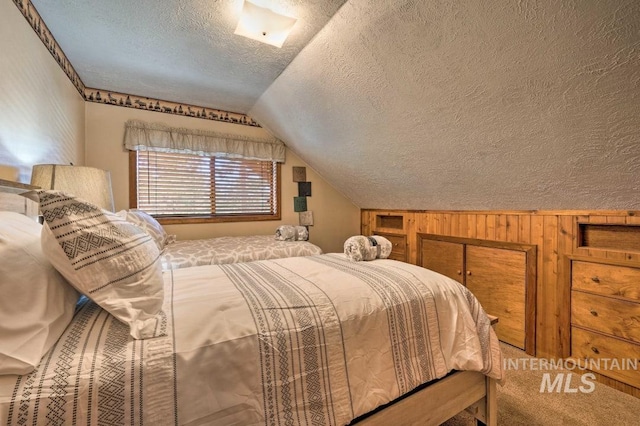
x=314, y=339
x=177, y=254
x=224, y=250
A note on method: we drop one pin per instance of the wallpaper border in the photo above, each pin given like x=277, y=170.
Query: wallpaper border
x=34, y=19
x=37, y=23
x=167, y=107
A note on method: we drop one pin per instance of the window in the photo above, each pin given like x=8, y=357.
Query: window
x=186, y=188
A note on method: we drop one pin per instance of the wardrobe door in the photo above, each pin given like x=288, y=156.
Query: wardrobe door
x=444, y=257
x=497, y=277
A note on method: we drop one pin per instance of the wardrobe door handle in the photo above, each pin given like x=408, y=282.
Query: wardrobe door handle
x=595, y=279
x=595, y=350
x=459, y=272
x=593, y=312
x=468, y=272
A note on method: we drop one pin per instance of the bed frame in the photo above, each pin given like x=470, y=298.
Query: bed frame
x=463, y=390
x=435, y=404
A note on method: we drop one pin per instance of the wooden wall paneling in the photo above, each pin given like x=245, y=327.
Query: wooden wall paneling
x=464, y=224
x=372, y=222
x=524, y=229
x=548, y=302
x=501, y=227
x=439, y=222
x=446, y=223
x=422, y=222
x=542, y=325
x=490, y=230
x=632, y=220
x=455, y=224
x=513, y=228
x=365, y=224
x=440, y=225
x=481, y=227
x=531, y=308
x=430, y=223
x=433, y=220
x=566, y=242
x=445, y=226
x=412, y=234
x=471, y=225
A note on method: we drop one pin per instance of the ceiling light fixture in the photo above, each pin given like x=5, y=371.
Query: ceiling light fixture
x=264, y=25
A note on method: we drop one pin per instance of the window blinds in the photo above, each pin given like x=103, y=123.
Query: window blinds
x=174, y=184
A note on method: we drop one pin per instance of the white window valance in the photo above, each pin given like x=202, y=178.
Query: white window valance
x=141, y=136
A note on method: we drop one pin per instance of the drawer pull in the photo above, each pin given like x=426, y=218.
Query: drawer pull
x=595, y=279
x=595, y=350
x=593, y=312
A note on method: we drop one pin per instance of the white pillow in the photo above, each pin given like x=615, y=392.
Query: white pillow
x=148, y=223
x=36, y=302
x=110, y=260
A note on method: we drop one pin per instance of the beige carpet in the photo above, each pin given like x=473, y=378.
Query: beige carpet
x=521, y=403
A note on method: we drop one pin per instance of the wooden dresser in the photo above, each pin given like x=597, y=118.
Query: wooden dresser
x=605, y=315
x=392, y=226
x=398, y=245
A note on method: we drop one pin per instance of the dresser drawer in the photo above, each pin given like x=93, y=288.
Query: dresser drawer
x=605, y=314
x=589, y=346
x=606, y=279
x=398, y=246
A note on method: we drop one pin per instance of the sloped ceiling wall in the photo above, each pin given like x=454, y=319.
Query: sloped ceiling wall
x=469, y=105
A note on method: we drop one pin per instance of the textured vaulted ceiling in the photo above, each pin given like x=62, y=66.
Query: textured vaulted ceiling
x=469, y=104
x=447, y=104
x=176, y=50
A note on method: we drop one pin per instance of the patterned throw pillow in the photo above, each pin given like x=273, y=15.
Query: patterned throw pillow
x=148, y=223
x=110, y=260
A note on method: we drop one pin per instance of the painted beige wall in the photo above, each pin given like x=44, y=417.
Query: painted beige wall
x=336, y=218
x=42, y=119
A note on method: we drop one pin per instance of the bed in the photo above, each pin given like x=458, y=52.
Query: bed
x=301, y=340
x=223, y=250
x=215, y=251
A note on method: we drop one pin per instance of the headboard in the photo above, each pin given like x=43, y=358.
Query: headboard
x=11, y=201
x=16, y=203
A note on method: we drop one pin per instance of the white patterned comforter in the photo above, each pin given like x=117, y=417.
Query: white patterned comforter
x=222, y=250
x=310, y=340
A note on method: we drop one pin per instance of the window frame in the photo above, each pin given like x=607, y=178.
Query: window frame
x=170, y=220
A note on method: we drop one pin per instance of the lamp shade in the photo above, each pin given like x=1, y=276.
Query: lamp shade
x=90, y=184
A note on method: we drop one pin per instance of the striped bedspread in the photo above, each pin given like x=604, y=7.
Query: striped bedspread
x=310, y=340
x=222, y=250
